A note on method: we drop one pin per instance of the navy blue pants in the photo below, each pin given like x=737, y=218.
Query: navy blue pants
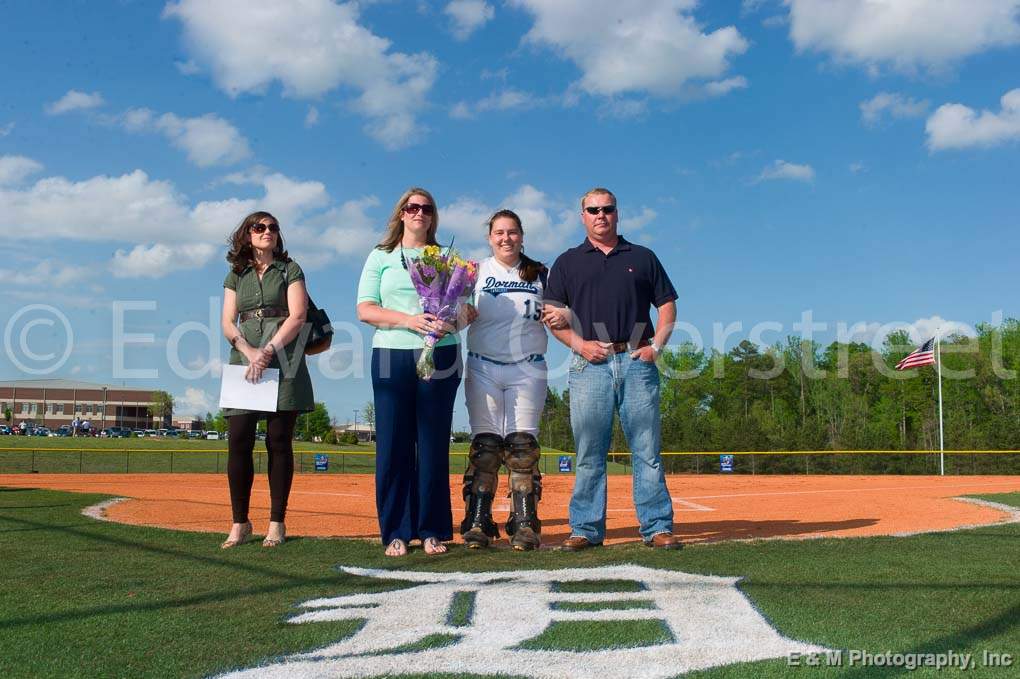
x=412, y=451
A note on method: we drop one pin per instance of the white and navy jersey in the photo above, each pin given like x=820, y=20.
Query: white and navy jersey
x=509, y=324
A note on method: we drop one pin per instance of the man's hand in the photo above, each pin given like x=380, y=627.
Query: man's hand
x=593, y=351
x=646, y=354
x=556, y=318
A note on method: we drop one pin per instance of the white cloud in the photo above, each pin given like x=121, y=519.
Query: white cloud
x=549, y=225
x=781, y=169
x=188, y=67
x=194, y=403
x=48, y=272
x=923, y=329
x=317, y=46
x=139, y=211
x=720, y=87
x=634, y=46
x=504, y=100
x=468, y=16
x=14, y=169
x=75, y=101
x=903, y=34
x=893, y=104
x=159, y=259
x=638, y=221
x=130, y=207
x=857, y=168
x=955, y=126
x=6, y=129
x=208, y=140
x=213, y=365
x=349, y=230
x=312, y=117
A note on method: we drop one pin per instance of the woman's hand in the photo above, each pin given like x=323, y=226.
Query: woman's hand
x=555, y=317
x=466, y=315
x=258, y=361
x=423, y=324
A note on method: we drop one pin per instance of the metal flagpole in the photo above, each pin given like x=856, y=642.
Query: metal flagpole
x=938, y=368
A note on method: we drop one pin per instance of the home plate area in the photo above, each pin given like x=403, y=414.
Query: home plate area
x=478, y=623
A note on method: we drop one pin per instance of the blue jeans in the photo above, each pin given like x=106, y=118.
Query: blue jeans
x=631, y=387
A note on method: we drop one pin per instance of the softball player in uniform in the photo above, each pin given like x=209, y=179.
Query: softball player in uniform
x=505, y=385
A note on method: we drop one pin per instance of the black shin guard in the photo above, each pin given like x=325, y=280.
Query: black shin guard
x=480, y=482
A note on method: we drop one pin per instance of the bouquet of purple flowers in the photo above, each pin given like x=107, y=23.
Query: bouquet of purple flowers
x=440, y=279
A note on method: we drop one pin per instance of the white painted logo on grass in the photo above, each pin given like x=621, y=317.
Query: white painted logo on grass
x=711, y=623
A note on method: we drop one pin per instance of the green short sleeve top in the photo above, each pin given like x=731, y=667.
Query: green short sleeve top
x=385, y=282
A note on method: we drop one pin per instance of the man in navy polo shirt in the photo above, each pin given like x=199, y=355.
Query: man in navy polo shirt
x=609, y=286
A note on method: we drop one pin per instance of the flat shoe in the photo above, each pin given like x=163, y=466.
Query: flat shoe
x=240, y=540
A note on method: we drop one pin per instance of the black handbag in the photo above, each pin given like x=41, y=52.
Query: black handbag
x=321, y=336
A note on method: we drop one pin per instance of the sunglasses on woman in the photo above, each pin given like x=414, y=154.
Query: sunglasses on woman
x=260, y=228
x=413, y=208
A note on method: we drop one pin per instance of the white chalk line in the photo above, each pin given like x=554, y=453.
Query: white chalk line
x=852, y=490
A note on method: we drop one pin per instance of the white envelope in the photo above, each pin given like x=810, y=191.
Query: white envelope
x=237, y=392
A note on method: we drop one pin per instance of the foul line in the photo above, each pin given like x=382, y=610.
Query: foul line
x=852, y=490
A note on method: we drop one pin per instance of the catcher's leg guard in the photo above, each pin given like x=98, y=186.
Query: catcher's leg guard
x=480, y=482
x=522, y=455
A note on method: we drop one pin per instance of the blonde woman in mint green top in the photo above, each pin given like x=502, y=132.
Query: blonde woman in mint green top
x=413, y=417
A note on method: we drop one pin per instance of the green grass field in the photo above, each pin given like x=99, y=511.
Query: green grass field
x=83, y=598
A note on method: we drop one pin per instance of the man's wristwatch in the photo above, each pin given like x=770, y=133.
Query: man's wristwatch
x=656, y=348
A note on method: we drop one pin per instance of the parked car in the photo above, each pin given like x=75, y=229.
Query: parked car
x=5, y=430
x=195, y=434
x=63, y=430
x=41, y=431
x=116, y=432
x=212, y=436
x=151, y=433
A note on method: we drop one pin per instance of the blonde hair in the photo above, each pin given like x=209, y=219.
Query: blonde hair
x=598, y=190
x=395, y=227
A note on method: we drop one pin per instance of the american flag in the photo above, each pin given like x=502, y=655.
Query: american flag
x=923, y=355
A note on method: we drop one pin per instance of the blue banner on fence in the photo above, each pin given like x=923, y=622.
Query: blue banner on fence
x=566, y=464
x=321, y=462
x=726, y=463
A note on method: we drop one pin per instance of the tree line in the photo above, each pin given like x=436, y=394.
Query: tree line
x=798, y=395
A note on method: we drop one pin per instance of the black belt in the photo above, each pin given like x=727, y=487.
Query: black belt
x=620, y=347
x=265, y=312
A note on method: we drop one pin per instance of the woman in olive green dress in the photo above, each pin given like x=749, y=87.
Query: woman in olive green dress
x=264, y=308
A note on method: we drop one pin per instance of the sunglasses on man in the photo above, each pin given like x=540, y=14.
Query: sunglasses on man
x=604, y=209
x=260, y=228
x=414, y=208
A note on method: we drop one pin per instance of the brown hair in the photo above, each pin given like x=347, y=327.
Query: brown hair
x=395, y=227
x=241, y=254
x=528, y=268
x=599, y=191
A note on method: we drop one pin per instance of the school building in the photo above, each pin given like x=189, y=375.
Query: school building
x=53, y=403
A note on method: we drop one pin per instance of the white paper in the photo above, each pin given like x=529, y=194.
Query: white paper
x=237, y=392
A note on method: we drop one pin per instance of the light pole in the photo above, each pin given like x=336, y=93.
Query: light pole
x=355, y=421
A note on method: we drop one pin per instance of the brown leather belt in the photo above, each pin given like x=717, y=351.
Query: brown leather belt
x=620, y=347
x=265, y=312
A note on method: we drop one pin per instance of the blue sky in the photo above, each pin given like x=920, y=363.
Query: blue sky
x=844, y=158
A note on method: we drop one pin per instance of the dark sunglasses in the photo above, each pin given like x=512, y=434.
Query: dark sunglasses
x=259, y=228
x=412, y=209
x=605, y=209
